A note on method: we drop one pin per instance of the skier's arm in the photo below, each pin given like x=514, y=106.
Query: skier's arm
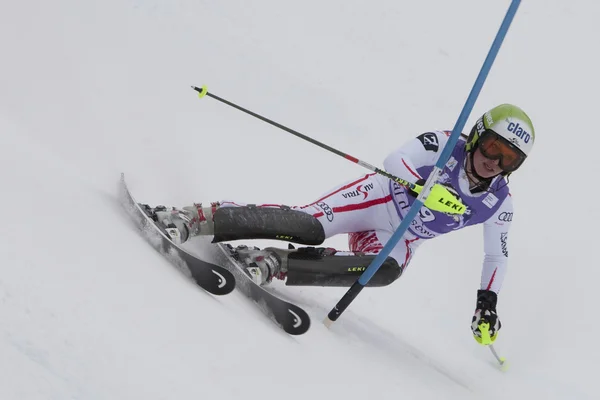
x=495, y=231
x=495, y=240
x=423, y=150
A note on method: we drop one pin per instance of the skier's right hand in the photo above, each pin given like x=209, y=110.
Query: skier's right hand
x=443, y=197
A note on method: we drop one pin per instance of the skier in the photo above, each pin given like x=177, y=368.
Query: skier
x=370, y=208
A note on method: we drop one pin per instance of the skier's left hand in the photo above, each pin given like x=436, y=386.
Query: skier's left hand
x=485, y=323
x=442, y=197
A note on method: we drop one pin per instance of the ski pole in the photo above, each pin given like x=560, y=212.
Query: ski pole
x=441, y=199
x=357, y=287
x=486, y=340
x=203, y=91
x=501, y=360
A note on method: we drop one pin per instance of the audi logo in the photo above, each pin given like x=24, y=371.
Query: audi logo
x=327, y=210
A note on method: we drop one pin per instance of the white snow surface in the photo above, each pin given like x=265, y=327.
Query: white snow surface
x=90, y=89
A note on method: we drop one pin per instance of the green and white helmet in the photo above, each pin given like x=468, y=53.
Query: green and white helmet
x=509, y=122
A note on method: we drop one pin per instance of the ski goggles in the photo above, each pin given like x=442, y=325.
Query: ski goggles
x=495, y=147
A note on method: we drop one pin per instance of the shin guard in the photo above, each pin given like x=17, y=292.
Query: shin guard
x=319, y=267
x=280, y=223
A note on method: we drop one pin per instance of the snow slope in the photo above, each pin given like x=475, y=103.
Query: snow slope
x=92, y=89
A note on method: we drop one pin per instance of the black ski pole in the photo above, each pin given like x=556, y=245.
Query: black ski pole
x=203, y=91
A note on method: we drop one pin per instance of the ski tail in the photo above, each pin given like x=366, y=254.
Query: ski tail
x=289, y=317
x=210, y=277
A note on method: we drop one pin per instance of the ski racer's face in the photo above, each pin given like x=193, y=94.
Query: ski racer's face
x=485, y=167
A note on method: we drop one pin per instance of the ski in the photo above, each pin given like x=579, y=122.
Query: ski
x=289, y=317
x=210, y=277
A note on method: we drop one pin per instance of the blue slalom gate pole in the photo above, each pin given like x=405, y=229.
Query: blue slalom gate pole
x=356, y=288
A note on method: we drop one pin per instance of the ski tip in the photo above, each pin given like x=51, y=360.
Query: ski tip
x=295, y=322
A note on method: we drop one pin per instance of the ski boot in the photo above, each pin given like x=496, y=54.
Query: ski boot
x=180, y=224
x=261, y=265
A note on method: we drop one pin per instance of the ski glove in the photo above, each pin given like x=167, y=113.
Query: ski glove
x=443, y=197
x=486, y=324
x=447, y=186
